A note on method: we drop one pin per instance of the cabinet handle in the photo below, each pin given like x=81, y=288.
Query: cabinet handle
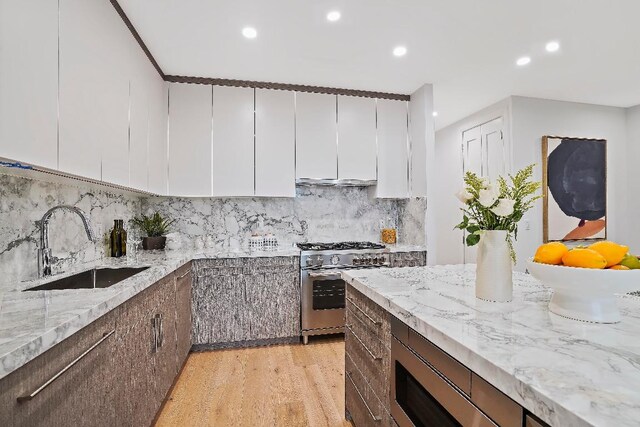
x=158, y=333
x=184, y=275
x=65, y=369
x=373, y=356
x=371, y=319
x=371, y=414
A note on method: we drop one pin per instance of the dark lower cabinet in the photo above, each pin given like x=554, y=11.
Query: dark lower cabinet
x=115, y=371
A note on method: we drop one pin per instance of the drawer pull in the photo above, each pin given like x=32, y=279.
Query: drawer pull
x=373, y=356
x=371, y=414
x=65, y=369
x=371, y=319
x=184, y=275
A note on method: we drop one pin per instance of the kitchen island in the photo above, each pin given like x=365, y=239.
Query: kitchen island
x=565, y=372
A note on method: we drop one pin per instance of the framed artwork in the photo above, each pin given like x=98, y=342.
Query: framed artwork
x=574, y=181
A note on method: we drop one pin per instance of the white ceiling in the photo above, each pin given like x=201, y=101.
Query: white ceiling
x=466, y=48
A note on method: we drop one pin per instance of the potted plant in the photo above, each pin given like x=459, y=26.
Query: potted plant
x=491, y=214
x=155, y=227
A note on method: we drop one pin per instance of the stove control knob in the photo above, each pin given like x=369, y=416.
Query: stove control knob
x=366, y=260
x=335, y=259
x=309, y=262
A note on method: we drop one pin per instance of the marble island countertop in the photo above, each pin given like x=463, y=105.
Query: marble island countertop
x=32, y=322
x=566, y=372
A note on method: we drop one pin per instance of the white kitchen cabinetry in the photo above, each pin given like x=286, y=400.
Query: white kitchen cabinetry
x=29, y=81
x=233, y=146
x=190, y=140
x=357, y=150
x=316, y=136
x=94, y=91
x=275, y=143
x=393, y=152
x=158, y=117
x=140, y=97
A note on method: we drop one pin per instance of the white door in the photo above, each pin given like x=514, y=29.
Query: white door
x=275, y=143
x=140, y=97
x=316, y=136
x=357, y=150
x=189, y=140
x=393, y=149
x=29, y=81
x=93, y=91
x=484, y=154
x=158, y=118
x=233, y=147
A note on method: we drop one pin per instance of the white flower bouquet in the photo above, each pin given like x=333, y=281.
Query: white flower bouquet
x=496, y=206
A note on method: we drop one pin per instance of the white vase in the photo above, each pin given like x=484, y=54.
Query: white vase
x=494, y=268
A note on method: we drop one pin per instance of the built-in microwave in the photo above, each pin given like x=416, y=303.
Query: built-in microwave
x=429, y=388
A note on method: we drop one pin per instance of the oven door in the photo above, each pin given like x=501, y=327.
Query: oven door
x=420, y=396
x=323, y=299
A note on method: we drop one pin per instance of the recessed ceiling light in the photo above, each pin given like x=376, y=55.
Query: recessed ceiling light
x=333, y=16
x=435, y=114
x=249, y=32
x=399, y=51
x=523, y=61
x=552, y=46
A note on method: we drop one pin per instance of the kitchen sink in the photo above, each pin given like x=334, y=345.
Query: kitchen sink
x=91, y=279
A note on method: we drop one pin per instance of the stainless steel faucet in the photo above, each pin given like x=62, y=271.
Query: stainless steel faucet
x=44, y=253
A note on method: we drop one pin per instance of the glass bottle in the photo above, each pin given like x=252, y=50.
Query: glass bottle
x=118, y=239
x=123, y=238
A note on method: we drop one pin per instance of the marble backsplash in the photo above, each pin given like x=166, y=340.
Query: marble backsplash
x=315, y=214
x=23, y=202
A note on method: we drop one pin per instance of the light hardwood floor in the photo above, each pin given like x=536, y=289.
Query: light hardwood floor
x=285, y=385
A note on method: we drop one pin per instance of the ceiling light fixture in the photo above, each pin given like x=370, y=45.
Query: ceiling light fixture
x=523, y=61
x=435, y=114
x=400, y=51
x=552, y=46
x=249, y=32
x=333, y=16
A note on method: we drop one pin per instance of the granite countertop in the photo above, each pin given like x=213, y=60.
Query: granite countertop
x=566, y=372
x=33, y=322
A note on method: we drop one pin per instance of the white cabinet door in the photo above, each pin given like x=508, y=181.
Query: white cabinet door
x=94, y=91
x=189, y=140
x=316, y=136
x=275, y=143
x=393, y=154
x=357, y=150
x=139, y=99
x=233, y=150
x=158, y=117
x=29, y=81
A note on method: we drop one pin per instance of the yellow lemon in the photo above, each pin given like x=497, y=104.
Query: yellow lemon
x=584, y=258
x=619, y=267
x=551, y=253
x=613, y=252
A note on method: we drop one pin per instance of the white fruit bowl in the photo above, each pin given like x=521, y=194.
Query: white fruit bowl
x=584, y=293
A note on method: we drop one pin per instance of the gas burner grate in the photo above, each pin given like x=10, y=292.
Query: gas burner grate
x=339, y=246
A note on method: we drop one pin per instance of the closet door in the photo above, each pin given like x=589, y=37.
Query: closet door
x=357, y=149
x=275, y=143
x=233, y=148
x=316, y=136
x=29, y=81
x=393, y=150
x=189, y=140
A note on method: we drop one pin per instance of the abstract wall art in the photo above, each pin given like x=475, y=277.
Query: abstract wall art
x=574, y=175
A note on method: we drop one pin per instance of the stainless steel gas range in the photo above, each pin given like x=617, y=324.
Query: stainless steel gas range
x=323, y=290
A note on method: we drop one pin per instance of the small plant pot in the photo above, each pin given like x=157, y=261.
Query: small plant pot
x=152, y=243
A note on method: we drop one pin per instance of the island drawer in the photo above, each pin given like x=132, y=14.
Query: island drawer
x=497, y=405
x=361, y=402
x=370, y=312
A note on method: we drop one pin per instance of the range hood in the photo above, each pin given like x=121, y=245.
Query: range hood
x=309, y=182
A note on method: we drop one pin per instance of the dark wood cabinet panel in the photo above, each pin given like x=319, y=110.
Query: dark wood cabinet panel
x=408, y=259
x=183, y=313
x=273, y=302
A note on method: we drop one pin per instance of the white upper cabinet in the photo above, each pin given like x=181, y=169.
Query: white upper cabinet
x=189, y=140
x=158, y=117
x=393, y=153
x=357, y=150
x=316, y=136
x=94, y=91
x=275, y=143
x=233, y=148
x=29, y=81
x=140, y=98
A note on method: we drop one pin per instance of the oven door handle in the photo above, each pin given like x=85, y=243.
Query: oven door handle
x=331, y=273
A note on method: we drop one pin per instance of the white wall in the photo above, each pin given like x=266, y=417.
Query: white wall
x=633, y=179
x=529, y=119
x=447, y=164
